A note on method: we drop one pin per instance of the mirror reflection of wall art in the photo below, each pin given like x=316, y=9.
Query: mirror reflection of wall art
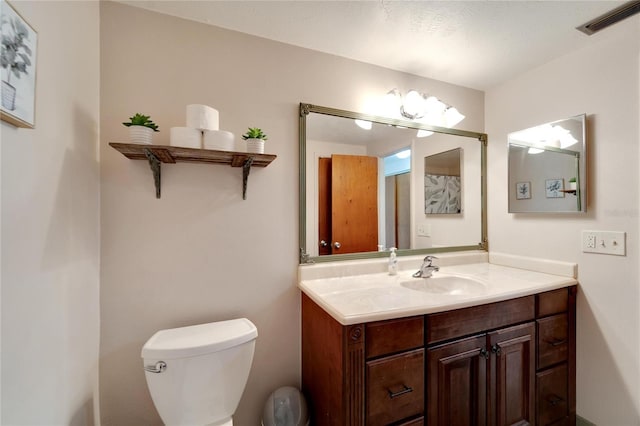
x=18, y=73
x=523, y=190
x=442, y=182
x=441, y=194
x=554, y=188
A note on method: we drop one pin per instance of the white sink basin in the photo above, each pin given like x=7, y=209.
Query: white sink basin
x=446, y=285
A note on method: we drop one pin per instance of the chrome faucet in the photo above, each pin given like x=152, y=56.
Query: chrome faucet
x=427, y=268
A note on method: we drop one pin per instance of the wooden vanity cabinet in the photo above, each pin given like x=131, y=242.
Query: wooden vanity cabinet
x=504, y=363
x=488, y=378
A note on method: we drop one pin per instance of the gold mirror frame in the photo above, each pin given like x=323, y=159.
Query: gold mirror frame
x=306, y=109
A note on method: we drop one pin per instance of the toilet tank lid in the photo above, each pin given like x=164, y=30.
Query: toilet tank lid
x=199, y=339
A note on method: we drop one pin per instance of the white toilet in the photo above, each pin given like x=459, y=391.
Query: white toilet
x=197, y=374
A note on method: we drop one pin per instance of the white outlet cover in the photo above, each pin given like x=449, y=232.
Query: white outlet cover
x=604, y=242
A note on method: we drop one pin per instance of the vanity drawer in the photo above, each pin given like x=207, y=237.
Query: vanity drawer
x=395, y=388
x=477, y=319
x=552, y=340
x=552, y=302
x=387, y=337
x=552, y=395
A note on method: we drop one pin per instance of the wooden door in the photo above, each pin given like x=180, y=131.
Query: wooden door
x=457, y=383
x=324, y=206
x=512, y=376
x=352, y=225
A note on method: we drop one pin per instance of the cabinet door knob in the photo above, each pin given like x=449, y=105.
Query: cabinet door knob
x=323, y=243
x=484, y=353
x=405, y=389
x=337, y=245
x=495, y=349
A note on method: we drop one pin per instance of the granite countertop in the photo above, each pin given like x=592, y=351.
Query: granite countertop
x=365, y=297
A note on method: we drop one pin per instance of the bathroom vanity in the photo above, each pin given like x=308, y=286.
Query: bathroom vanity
x=380, y=350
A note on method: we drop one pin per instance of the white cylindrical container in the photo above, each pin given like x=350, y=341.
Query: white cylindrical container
x=140, y=134
x=185, y=137
x=219, y=140
x=255, y=146
x=202, y=117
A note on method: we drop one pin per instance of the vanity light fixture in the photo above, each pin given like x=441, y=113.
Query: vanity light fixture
x=417, y=106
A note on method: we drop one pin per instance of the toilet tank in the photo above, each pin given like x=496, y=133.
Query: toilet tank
x=204, y=370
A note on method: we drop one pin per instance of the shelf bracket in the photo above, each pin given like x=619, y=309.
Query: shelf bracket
x=155, y=165
x=246, y=168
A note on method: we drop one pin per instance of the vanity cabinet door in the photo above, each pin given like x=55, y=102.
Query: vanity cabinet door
x=512, y=375
x=457, y=383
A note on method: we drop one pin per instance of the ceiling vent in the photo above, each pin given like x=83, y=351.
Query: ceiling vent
x=610, y=18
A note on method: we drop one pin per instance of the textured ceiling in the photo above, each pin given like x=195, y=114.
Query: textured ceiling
x=476, y=44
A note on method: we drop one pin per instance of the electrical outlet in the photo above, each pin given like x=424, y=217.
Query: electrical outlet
x=424, y=230
x=604, y=242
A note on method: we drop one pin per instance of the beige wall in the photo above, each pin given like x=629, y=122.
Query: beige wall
x=50, y=227
x=201, y=253
x=602, y=81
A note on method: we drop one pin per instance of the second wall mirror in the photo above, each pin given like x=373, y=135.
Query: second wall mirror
x=366, y=183
x=548, y=167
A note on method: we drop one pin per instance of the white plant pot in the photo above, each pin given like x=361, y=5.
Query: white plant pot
x=255, y=146
x=140, y=134
x=572, y=186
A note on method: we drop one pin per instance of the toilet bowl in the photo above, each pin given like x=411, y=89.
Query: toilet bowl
x=196, y=375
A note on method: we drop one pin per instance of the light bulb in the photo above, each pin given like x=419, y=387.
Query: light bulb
x=363, y=124
x=413, y=105
x=423, y=133
x=452, y=117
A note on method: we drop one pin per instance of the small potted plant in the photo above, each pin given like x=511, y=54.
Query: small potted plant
x=572, y=184
x=255, y=140
x=141, y=129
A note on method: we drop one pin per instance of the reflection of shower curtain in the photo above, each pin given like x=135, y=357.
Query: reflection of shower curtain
x=441, y=194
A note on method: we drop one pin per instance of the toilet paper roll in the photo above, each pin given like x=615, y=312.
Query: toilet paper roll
x=202, y=117
x=185, y=137
x=219, y=139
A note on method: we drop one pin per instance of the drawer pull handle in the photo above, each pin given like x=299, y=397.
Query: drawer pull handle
x=556, y=342
x=406, y=389
x=554, y=400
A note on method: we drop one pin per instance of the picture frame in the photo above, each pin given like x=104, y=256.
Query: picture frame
x=18, y=60
x=523, y=190
x=554, y=188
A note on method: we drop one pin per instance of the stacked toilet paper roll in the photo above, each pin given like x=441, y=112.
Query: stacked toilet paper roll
x=185, y=137
x=202, y=117
x=202, y=129
x=219, y=140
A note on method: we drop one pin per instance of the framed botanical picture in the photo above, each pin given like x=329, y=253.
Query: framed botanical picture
x=18, y=72
x=554, y=188
x=523, y=190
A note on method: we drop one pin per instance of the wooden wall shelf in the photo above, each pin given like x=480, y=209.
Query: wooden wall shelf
x=158, y=154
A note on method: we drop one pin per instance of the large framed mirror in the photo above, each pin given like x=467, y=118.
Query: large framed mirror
x=548, y=167
x=366, y=181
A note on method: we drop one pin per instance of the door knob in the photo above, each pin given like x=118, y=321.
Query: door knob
x=323, y=243
x=337, y=245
